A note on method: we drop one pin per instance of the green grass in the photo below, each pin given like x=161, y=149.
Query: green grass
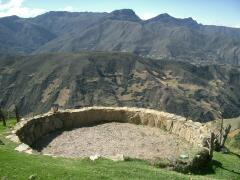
x=15, y=165
x=10, y=124
x=234, y=144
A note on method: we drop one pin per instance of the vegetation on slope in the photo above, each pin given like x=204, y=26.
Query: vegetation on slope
x=15, y=165
x=35, y=83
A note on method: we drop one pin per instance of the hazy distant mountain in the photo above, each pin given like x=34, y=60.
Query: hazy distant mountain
x=19, y=35
x=122, y=30
x=36, y=82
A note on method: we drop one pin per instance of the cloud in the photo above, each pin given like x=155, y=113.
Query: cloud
x=10, y=4
x=147, y=15
x=68, y=8
x=15, y=7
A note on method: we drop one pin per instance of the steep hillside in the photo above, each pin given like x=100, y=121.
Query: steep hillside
x=123, y=31
x=19, y=35
x=36, y=82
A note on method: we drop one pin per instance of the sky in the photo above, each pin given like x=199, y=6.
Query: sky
x=211, y=12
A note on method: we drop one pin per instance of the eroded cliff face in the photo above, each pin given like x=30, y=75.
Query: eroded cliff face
x=35, y=83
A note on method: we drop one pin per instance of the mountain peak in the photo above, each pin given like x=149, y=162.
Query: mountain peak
x=125, y=14
x=164, y=15
x=166, y=18
x=189, y=21
x=163, y=18
x=14, y=17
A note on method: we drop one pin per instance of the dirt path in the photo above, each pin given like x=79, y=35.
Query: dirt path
x=113, y=139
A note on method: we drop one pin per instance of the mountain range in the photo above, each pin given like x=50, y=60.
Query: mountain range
x=77, y=59
x=162, y=37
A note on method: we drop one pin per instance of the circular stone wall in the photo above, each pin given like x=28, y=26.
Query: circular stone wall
x=30, y=131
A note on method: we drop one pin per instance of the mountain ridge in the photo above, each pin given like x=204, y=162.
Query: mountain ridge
x=109, y=13
x=123, y=31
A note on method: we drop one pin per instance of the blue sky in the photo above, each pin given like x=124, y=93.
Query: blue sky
x=217, y=12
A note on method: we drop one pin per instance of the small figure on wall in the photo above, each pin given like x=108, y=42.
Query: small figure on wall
x=55, y=108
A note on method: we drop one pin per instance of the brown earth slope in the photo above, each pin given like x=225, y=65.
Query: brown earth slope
x=36, y=82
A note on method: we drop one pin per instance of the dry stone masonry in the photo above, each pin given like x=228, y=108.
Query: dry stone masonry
x=28, y=131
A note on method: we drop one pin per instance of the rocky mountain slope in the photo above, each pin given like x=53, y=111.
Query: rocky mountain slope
x=36, y=82
x=122, y=30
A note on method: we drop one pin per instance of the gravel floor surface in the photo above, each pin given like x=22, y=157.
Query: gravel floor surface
x=112, y=139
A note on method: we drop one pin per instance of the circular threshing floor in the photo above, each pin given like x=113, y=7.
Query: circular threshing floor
x=113, y=139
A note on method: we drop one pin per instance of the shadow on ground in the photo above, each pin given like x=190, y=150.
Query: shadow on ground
x=211, y=167
x=235, y=154
x=45, y=141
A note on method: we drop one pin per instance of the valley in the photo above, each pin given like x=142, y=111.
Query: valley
x=118, y=79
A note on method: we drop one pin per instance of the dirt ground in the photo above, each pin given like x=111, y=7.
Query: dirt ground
x=113, y=139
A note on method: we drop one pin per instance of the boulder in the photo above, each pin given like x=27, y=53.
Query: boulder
x=94, y=157
x=22, y=147
x=118, y=157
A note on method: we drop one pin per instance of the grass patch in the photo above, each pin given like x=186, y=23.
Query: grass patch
x=15, y=165
x=10, y=123
x=234, y=144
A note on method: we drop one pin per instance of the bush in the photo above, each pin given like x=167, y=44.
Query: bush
x=161, y=163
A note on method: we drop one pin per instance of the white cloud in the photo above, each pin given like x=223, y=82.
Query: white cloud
x=147, y=15
x=15, y=7
x=10, y=4
x=68, y=8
